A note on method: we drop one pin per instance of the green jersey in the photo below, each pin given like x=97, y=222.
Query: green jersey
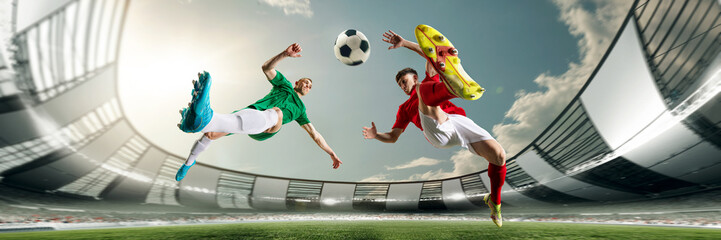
x=283, y=96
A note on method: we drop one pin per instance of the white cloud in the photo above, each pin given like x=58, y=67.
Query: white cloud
x=423, y=161
x=291, y=7
x=534, y=111
x=381, y=177
x=464, y=162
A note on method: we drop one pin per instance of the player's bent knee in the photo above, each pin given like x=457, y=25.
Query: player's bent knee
x=498, y=154
x=501, y=158
x=496, y=157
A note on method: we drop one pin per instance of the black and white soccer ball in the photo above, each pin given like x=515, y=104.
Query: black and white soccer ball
x=352, y=47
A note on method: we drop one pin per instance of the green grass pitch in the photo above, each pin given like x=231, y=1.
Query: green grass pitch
x=381, y=230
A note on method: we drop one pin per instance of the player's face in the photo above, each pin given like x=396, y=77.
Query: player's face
x=407, y=83
x=303, y=86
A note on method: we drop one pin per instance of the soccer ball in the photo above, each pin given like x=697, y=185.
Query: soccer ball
x=351, y=47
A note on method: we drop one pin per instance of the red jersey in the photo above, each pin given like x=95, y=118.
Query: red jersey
x=408, y=111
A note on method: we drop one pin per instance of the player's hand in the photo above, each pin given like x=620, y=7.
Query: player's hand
x=293, y=50
x=336, y=161
x=370, y=132
x=394, y=39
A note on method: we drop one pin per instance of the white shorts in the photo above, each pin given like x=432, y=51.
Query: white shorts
x=459, y=130
x=255, y=121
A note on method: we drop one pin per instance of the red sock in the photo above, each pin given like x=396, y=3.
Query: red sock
x=434, y=93
x=498, y=177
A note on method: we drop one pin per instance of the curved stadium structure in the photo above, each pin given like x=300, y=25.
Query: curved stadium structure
x=646, y=125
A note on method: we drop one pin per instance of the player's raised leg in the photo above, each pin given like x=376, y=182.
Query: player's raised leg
x=199, y=116
x=492, y=151
x=432, y=111
x=432, y=91
x=439, y=51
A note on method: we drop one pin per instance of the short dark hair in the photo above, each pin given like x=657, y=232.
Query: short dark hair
x=405, y=71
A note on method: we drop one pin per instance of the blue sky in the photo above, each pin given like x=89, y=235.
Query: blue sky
x=531, y=56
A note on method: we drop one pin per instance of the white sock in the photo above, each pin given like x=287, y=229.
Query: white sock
x=246, y=121
x=198, y=147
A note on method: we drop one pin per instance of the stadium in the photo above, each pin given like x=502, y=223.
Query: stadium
x=642, y=162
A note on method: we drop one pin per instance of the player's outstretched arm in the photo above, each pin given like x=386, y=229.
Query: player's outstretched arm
x=397, y=41
x=389, y=137
x=318, y=139
x=269, y=66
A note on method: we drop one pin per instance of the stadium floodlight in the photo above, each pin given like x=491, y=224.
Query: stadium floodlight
x=330, y=201
x=199, y=189
x=456, y=197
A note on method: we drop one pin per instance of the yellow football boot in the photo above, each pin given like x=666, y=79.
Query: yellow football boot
x=495, y=210
x=444, y=58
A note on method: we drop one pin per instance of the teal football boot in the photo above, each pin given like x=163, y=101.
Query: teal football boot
x=182, y=171
x=198, y=113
